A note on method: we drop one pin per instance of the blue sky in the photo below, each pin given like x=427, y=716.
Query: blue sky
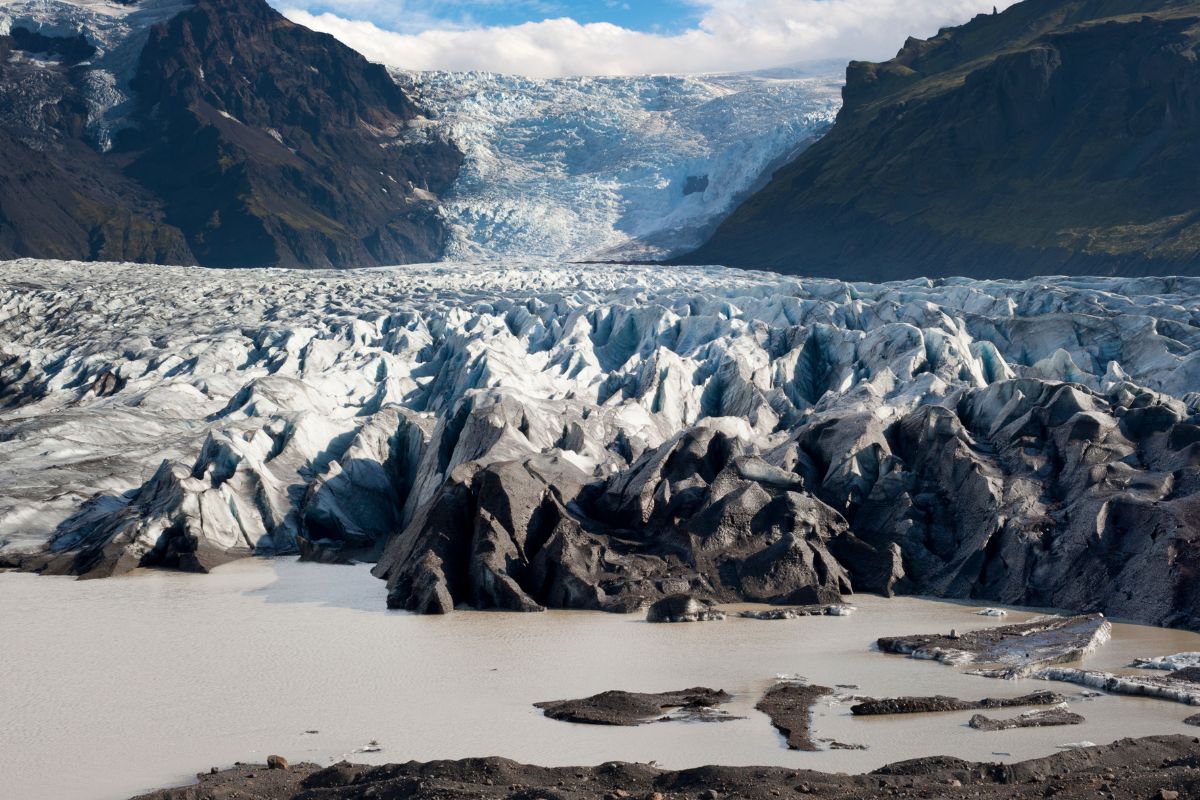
x=413, y=16
x=549, y=38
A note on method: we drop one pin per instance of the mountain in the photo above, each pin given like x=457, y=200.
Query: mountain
x=216, y=133
x=609, y=168
x=1060, y=136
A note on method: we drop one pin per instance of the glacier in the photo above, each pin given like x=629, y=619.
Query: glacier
x=614, y=168
x=529, y=435
x=117, y=30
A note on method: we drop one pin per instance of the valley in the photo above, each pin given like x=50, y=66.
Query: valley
x=432, y=433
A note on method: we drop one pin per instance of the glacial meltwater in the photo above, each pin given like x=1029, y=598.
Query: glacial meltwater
x=112, y=687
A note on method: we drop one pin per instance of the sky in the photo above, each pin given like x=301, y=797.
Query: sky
x=551, y=38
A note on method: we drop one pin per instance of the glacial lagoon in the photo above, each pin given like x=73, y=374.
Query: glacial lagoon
x=108, y=688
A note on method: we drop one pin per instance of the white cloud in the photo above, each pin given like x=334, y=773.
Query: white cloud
x=730, y=35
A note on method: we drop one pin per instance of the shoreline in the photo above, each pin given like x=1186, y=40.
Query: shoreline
x=1160, y=767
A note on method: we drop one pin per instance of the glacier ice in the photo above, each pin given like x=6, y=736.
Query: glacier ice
x=1009, y=651
x=1185, y=692
x=608, y=168
x=118, y=31
x=1169, y=663
x=524, y=435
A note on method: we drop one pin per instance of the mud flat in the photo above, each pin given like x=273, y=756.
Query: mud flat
x=1042, y=718
x=1159, y=767
x=790, y=707
x=635, y=708
x=941, y=703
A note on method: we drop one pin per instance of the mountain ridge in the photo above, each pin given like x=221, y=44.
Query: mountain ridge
x=1053, y=137
x=241, y=139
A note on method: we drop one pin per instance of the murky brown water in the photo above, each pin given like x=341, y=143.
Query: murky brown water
x=111, y=687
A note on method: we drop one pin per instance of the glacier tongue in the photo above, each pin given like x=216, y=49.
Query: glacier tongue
x=522, y=436
x=602, y=168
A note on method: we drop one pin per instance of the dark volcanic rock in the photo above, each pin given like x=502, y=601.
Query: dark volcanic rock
x=693, y=516
x=59, y=196
x=797, y=613
x=789, y=705
x=1056, y=137
x=1140, y=768
x=631, y=708
x=995, y=494
x=683, y=608
x=1033, y=719
x=323, y=552
x=1009, y=651
x=924, y=705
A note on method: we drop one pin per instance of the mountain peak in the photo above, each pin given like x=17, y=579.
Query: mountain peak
x=234, y=135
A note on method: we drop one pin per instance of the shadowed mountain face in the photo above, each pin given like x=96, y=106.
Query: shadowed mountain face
x=250, y=141
x=59, y=196
x=1058, y=136
x=274, y=145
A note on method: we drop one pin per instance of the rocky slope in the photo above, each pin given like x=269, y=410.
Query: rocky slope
x=213, y=132
x=1059, y=136
x=599, y=437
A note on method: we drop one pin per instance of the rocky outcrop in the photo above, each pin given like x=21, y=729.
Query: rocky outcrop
x=1055, y=137
x=216, y=133
x=633, y=708
x=60, y=197
x=317, y=161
